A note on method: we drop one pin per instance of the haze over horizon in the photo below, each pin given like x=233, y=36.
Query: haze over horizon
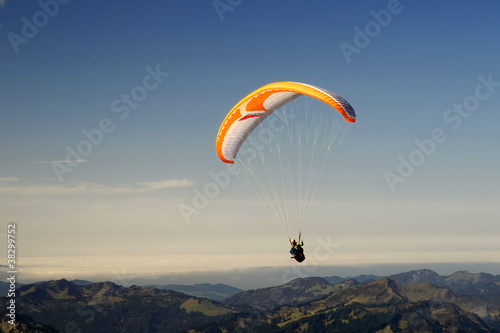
x=248, y=278
x=110, y=113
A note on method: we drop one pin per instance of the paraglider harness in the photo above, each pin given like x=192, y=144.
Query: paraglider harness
x=297, y=251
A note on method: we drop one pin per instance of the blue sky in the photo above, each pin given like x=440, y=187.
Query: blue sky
x=123, y=199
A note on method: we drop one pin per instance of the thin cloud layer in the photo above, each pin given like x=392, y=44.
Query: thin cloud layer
x=61, y=161
x=89, y=188
x=8, y=179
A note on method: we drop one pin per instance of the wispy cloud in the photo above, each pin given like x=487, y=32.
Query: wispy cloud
x=2, y=3
x=59, y=161
x=92, y=188
x=147, y=186
x=8, y=179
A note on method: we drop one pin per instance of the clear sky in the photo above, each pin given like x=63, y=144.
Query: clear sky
x=109, y=113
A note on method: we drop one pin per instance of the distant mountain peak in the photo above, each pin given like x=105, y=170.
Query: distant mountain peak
x=291, y=293
x=54, y=289
x=307, y=282
x=465, y=277
x=418, y=276
x=214, y=292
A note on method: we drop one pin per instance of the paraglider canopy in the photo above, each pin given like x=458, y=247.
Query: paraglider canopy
x=254, y=108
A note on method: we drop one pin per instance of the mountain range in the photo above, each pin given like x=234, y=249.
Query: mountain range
x=415, y=301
